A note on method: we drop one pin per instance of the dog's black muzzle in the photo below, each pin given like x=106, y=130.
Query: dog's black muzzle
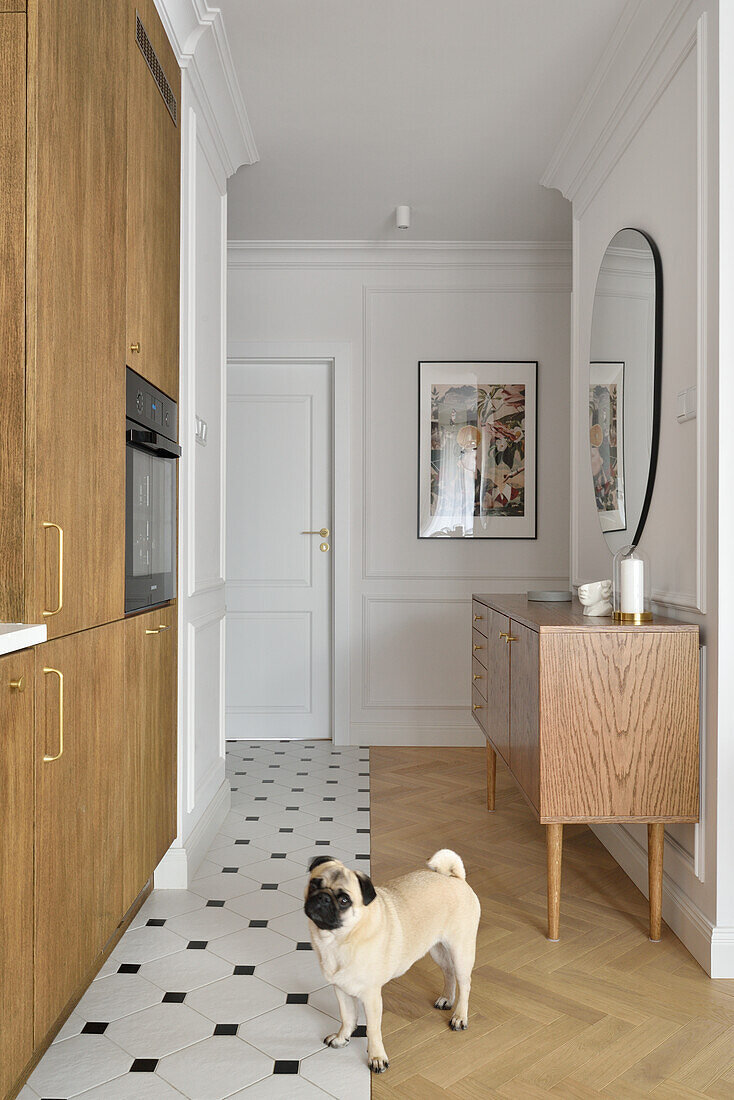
x=321, y=909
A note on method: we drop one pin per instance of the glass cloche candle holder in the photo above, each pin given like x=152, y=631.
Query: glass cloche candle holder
x=631, y=586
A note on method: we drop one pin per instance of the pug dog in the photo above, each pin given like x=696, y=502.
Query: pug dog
x=364, y=936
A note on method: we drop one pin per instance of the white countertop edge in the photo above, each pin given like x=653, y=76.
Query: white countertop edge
x=15, y=636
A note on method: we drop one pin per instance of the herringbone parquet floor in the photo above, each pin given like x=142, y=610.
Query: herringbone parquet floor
x=602, y=1013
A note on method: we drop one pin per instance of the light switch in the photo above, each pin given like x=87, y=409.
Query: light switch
x=686, y=405
x=200, y=429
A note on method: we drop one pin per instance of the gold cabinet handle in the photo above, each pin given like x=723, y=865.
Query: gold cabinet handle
x=511, y=638
x=157, y=630
x=163, y=628
x=60, y=604
x=324, y=532
x=478, y=618
x=478, y=706
x=17, y=685
x=477, y=646
x=135, y=348
x=55, y=672
x=477, y=676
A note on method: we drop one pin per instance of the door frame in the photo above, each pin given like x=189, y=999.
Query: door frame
x=339, y=355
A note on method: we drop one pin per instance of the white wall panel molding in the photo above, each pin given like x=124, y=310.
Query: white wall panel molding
x=199, y=38
x=196, y=628
x=388, y=255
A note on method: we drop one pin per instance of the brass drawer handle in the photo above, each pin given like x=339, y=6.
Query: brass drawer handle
x=508, y=637
x=17, y=685
x=135, y=348
x=478, y=618
x=478, y=706
x=60, y=603
x=477, y=676
x=163, y=627
x=157, y=630
x=477, y=646
x=55, y=672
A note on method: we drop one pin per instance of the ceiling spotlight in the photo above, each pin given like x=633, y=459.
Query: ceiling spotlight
x=402, y=217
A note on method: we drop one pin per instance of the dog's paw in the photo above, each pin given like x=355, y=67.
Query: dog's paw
x=442, y=1003
x=379, y=1065
x=335, y=1041
x=458, y=1023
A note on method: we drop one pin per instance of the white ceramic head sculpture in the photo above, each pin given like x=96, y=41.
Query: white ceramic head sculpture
x=596, y=596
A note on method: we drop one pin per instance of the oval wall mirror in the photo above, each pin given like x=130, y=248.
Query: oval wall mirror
x=624, y=385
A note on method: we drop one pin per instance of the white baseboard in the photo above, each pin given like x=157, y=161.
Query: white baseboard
x=368, y=733
x=683, y=916
x=181, y=861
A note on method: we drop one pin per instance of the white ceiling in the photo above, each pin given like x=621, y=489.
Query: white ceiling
x=451, y=106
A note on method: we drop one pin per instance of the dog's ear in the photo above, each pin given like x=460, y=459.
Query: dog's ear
x=317, y=861
x=368, y=891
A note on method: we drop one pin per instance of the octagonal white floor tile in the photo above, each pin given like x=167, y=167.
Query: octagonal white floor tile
x=264, y=904
x=296, y=887
x=289, y=1032
x=206, y=867
x=220, y=886
x=251, y=946
x=237, y=825
x=276, y=870
x=163, y=904
x=160, y=1030
x=185, y=970
x=109, y=966
x=328, y=830
x=207, y=924
x=133, y=1086
x=347, y=1067
x=357, y=820
x=296, y=972
x=235, y=999
x=236, y=855
x=283, y=1087
x=215, y=1068
x=73, y=1026
x=27, y=1093
x=325, y=1001
x=139, y=945
x=117, y=996
x=77, y=1064
x=282, y=842
x=294, y=925
x=280, y=817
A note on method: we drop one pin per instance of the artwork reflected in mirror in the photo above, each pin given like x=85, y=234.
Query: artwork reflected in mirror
x=624, y=385
x=477, y=450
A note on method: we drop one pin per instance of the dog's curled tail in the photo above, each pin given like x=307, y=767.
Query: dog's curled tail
x=447, y=862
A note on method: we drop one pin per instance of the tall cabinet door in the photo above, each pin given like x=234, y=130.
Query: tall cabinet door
x=79, y=810
x=151, y=742
x=153, y=187
x=77, y=314
x=16, y=864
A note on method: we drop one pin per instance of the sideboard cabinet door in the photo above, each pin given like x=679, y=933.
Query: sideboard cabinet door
x=16, y=864
x=524, y=711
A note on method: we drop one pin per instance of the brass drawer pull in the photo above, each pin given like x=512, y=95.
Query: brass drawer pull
x=60, y=603
x=508, y=637
x=17, y=685
x=55, y=672
x=157, y=630
x=478, y=618
x=477, y=676
x=163, y=627
x=478, y=706
x=135, y=348
x=477, y=646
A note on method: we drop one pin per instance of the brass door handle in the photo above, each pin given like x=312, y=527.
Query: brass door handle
x=162, y=628
x=324, y=532
x=135, y=348
x=55, y=672
x=17, y=685
x=60, y=603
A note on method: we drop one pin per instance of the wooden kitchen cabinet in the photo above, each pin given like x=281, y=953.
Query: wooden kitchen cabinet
x=597, y=720
x=16, y=864
x=76, y=314
x=81, y=795
x=151, y=742
x=153, y=188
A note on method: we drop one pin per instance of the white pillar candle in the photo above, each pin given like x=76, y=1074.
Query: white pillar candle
x=632, y=586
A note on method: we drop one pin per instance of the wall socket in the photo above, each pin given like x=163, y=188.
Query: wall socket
x=200, y=430
x=686, y=405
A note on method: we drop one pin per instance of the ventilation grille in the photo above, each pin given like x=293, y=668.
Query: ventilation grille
x=151, y=60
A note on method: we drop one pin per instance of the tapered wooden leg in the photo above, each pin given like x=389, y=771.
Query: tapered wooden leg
x=554, y=842
x=491, y=775
x=655, y=843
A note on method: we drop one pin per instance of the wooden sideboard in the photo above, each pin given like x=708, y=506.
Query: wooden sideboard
x=597, y=721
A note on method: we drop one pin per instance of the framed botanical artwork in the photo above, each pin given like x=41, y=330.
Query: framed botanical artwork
x=606, y=442
x=477, y=449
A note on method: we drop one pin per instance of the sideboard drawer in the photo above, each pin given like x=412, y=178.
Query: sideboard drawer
x=479, y=647
x=479, y=677
x=480, y=616
x=479, y=708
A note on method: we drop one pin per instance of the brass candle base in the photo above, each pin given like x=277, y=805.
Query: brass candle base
x=635, y=617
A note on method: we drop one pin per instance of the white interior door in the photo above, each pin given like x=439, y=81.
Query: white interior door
x=279, y=462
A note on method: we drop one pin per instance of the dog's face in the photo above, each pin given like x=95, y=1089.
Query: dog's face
x=335, y=896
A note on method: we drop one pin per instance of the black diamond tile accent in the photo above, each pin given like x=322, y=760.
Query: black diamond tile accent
x=285, y=831
x=173, y=998
x=155, y=922
x=273, y=765
x=244, y=970
x=95, y=1027
x=242, y=841
x=268, y=780
x=296, y=790
x=214, y=904
x=363, y=830
x=334, y=766
x=297, y=999
x=301, y=773
x=128, y=968
x=230, y=870
x=282, y=1066
x=331, y=782
x=252, y=819
x=226, y=1029
x=363, y=790
x=269, y=886
x=261, y=798
x=361, y=857
x=240, y=773
x=197, y=945
x=326, y=819
x=363, y=773
x=248, y=759
x=304, y=946
x=278, y=855
x=322, y=843
x=280, y=753
x=144, y=1065
x=258, y=924
x=291, y=807
x=360, y=1032
x=363, y=809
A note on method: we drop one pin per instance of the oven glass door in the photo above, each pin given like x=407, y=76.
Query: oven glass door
x=150, y=529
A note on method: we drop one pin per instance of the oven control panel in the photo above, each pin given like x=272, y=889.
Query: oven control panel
x=150, y=408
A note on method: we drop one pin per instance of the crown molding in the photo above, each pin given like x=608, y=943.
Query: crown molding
x=199, y=39
x=649, y=43
x=554, y=255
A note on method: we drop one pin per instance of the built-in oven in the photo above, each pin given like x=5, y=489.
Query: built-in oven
x=151, y=429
